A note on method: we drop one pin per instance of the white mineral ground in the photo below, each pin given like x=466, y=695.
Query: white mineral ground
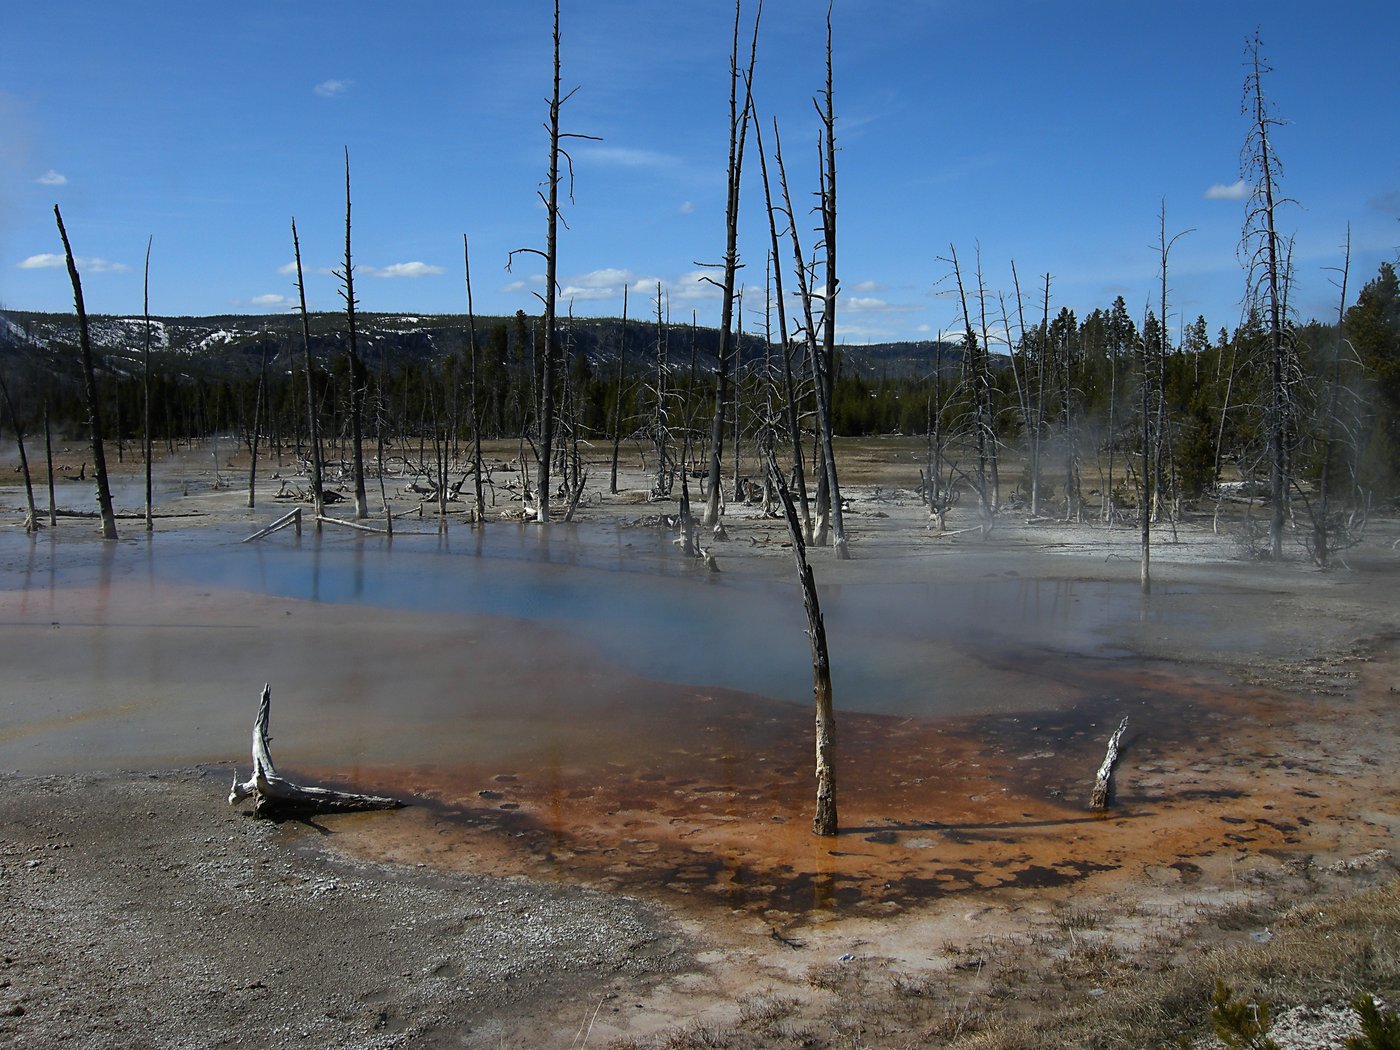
x=633, y=855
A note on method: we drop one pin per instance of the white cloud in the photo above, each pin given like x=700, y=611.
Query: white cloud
x=687, y=208
x=403, y=269
x=516, y=286
x=288, y=269
x=332, y=88
x=695, y=286
x=101, y=266
x=48, y=260
x=622, y=157
x=874, y=305
x=1221, y=192
x=272, y=300
x=867, y=287
x=52, y=178
x=606, y=283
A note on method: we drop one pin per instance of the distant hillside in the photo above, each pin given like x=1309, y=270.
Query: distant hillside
x=234, y=343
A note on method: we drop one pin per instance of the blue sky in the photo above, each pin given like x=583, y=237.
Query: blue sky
x=1044, y=133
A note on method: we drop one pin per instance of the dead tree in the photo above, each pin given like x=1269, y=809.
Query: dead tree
x=824, y=820
x=617, y=400
x=359, y=377
x=314, y=431
x=975, y=367
x=476, y=397
x=738, y=134
x=1145, y=479
x=825, y=375
x=273, y=794
x=99, y=458
x=794, y=428
x=31, y=519
x=146, y=382
x=1260, y=243
x=549, y=360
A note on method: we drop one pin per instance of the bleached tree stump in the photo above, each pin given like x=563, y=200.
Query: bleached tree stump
x=272, y=793
x=1103, y=782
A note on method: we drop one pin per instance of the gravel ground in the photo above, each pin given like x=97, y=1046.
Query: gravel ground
x=139, y=910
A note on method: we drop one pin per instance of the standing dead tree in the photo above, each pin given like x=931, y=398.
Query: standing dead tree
x=313, y=427
x=824, y=820
x=146, y=382
x=825, y=370
x=99, y=458
x=31, y=519
x=617, y=399
x=273, y=794
x=794, y=428
x=549, y=196
x=738, y=135
x=359, y=376
x=1261, y=244
x=476, y=397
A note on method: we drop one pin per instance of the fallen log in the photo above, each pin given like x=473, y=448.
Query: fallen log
x=273, y=794
x=1103, y=783
x=294, y=518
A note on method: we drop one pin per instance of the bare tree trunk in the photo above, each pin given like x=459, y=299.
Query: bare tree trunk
x=314, y=436
x=273, y=793
x=738, y=133
x=359, y=378
x=617, y=400
x=824, y=820
x=476, y=397
x=1262, y=158
x=48, y=456
x=826, y=378
x=1145, y=493
x=146, y=383
x=1103, y=783
x=31, y=520
x=99, y=458
x=1321, y=523
x=799, y=481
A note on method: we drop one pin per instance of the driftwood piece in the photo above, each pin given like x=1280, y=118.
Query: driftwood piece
x=1103, y=783
x=273, y=794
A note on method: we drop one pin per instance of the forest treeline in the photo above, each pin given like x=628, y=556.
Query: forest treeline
x=1080, y=378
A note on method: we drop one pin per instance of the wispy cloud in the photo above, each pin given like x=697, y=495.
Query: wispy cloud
x=52, y=178
x=869, y=304
x=272, y=301
x=1221, y=192
x=624, y=157
x=48, y=260
x=288, y=269
x=868, y=286
x=403, y=269
x=687, y=208
x=332, y=88
x=1387, y=202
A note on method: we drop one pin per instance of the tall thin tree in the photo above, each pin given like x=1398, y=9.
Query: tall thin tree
x=312, y=416
x=738, y=134
x=1262, y=245
x=359, y=376
x=99, y=458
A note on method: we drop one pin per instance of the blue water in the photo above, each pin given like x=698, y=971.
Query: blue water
x=919, y=647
